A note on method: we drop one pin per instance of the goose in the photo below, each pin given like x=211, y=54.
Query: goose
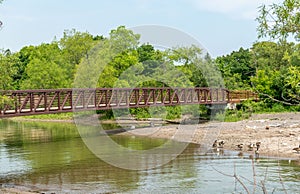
x=240, y=154
x=215, y=144
x=297, y=149
x=251, y=146
x=221, y=144
x=257, y=145
x=240, y=146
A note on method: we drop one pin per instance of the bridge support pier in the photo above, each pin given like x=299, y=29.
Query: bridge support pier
x=216, y=109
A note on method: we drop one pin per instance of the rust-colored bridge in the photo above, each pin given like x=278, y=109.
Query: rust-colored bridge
x=48, y=101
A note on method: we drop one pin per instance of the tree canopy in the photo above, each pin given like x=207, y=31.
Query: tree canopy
x=277, y=64
x=278, y=21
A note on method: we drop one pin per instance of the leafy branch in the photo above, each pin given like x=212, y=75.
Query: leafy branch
x=278, y=21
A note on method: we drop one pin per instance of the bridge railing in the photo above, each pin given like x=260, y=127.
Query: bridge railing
x=47, y=101
x=242, y=95
x=25, y=102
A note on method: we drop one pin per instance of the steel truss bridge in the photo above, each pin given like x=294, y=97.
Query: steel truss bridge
x=48, y=101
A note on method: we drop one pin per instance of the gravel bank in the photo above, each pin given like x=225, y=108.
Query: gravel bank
x=278, y=133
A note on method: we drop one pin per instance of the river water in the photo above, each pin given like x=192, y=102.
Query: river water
x=52, y=158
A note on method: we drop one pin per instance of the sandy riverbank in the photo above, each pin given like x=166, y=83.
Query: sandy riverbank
x=15, y=190
x=278, y=134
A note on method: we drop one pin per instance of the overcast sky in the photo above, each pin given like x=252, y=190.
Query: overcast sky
x=221, y=26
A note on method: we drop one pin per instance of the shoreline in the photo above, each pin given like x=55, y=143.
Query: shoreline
x=278, y=133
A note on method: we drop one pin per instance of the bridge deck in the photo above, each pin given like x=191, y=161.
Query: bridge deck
x=48, y=101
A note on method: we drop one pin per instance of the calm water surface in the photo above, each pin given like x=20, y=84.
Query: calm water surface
x=52, y=158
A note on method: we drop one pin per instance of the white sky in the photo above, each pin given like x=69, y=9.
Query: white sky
x=221, y=26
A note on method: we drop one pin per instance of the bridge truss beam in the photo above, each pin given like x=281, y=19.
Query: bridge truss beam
x=48, y=101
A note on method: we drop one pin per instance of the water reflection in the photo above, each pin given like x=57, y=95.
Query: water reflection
x=15, y=134
x=12, y=164
x=50, y=157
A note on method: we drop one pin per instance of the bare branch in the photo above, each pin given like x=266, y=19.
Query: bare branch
x=228, y=175
x=263, y=187
x=254, y=176
x=234, y=176
x=263, y=182
x=276, y=100
x=237, y=178
x=272, y=98
x=285, y=16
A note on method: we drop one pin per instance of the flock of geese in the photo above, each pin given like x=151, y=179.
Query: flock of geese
x=219, y=144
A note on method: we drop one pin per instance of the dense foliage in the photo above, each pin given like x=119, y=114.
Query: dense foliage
x=271, y=69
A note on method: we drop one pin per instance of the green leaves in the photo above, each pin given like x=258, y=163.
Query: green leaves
x=108, y=60
x=269, y=68
x=236, y=68
x=197, y=66
x=277, y=75
x=278, y=21
x=123, y=39
x=76, y=45
x=263, y=81
x=292, y=83
x=44, y=74
x=7, y=70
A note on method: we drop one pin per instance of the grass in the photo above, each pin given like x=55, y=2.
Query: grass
x=247, y=108
x=58, y=116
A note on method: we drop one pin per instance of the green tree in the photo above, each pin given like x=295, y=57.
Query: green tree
x=277, y=71
x=294, y=57
x=278, y=63
x=24, y=56
x=279, y=20
x=123, y=39
x=270, y=55
x=7, y=69
x=197, y=66
x=44, y=74
x=185, y=55
x=116, y=70
x=108, y=59
x=236, y=69
x=189, y=60
x=292, y=84
x=150, y=58
x=44, y=67
x=75, y=46
x=146, y=52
